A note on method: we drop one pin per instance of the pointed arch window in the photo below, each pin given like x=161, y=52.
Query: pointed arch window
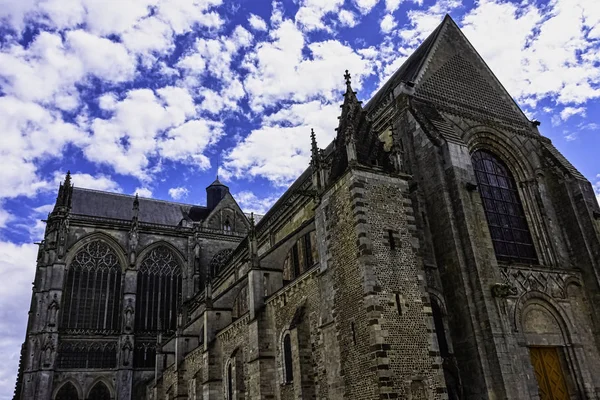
x=229, y=381
x=92, y=293
x=288, y=368
x=219, y=260
x=159, y=286
x=99, y=392
x=503, y=209
x=67, y=392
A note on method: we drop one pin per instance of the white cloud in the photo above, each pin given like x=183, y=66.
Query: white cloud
x=187, y=142
x=102, y=57
x=17, y=263
x=311, y=12
x=30, y=133
x=5, y=217
x=140, y=126
x=392, y=5
x=347, y=18
x=423, y=22
x=388, y=23
x=365, y=6
x=178, y=193
x=568, y=112
x=544, y=52
x=279, y=149
x=143, y=192
x=251, y=203
x=257, y=23
x=278, y=70
x=88, y=181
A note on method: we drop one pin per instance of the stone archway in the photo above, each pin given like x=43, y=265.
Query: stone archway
x=547, y=338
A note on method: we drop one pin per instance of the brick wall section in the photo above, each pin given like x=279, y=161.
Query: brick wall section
x=382, y=314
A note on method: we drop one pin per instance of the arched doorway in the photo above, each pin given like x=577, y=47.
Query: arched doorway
x=546, y=340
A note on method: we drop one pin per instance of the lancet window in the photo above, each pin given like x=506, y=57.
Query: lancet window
x=158, y=291
x=288, y=368
x=219, y=260
x=503, y=209
x=302, y=256
x=92, y=293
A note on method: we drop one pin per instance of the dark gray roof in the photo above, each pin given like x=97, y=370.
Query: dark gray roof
x=409, y=69
x=95, y=203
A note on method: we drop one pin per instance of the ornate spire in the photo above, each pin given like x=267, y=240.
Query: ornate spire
x=136, y=203
x=314, y=149
x=65, y=192
x=252, y=224
x=68, y=178
x=348, y=79
x=252, y=243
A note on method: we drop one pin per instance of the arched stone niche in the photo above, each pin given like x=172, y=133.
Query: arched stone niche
x=540, y=327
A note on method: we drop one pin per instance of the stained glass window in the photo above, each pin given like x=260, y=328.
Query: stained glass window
x=503, y=209
x=158, y=292
x=92, y=293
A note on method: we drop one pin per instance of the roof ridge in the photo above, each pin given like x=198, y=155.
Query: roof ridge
x=133, y=197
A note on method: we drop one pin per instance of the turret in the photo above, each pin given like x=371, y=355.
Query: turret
x=215, y=193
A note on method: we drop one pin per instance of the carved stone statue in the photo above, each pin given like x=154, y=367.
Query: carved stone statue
x=53, y=311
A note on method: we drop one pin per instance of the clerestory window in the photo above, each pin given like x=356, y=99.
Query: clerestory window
x=503, y=209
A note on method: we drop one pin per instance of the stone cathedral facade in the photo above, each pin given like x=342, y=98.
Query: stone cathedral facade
x=439, y=248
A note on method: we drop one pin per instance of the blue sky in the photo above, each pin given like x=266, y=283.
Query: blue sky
x=158, y=96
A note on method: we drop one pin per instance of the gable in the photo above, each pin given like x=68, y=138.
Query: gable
x=455, y=77
x=227, y=211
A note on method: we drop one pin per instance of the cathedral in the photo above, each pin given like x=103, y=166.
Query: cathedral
x=439, y=248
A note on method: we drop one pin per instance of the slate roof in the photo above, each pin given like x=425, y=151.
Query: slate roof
x=408, y=70
x=95, y=203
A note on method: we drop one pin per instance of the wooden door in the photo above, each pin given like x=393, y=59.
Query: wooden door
x=549, y=375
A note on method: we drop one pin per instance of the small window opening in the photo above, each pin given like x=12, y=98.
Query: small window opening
x=287, y=358
x=227, y=225
x=353, y=332
x=398, y=304
x=391, y=239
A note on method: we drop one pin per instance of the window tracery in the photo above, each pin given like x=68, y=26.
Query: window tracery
x=159, y=286
x=92, y=293
x=503, y=209
x=87, y=355
x=219, y=260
